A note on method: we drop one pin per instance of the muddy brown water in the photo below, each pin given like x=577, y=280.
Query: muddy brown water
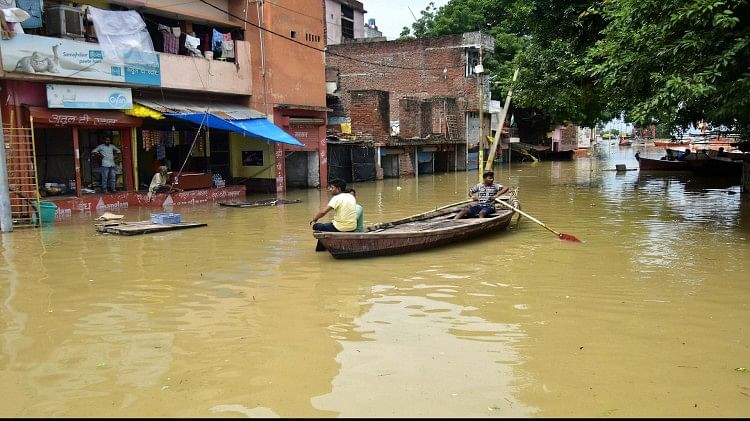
x=647, y=317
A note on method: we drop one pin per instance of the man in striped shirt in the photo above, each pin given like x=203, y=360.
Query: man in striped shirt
x=485, y=194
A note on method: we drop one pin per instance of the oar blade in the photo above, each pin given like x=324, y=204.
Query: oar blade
x=569, y=237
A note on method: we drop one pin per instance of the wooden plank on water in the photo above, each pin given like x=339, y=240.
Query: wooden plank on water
x=258, y=203
x=143, y=227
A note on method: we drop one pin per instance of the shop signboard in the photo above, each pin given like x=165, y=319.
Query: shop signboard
x=89, y=97
x=59, y=57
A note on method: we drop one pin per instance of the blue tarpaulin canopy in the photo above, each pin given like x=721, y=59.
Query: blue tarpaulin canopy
x=252, y=127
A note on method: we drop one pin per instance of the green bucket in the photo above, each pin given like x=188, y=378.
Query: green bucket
x=47, y=211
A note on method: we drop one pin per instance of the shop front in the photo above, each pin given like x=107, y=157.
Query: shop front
x=64, y=141
x=229, y=143
x=305, y=166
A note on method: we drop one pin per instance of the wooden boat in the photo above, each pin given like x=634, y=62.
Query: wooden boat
x=718, y=166
x=648, y=164
x=525, y=151
x=550, y=155
x=701, y=163
x=669, y=143
x=426, y=230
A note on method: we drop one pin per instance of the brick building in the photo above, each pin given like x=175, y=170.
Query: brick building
x=431, y=90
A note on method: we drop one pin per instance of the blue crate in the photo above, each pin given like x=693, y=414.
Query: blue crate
x=166, y=218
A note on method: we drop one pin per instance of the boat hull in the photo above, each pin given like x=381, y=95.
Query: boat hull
x=647, y=164
x=424, y=231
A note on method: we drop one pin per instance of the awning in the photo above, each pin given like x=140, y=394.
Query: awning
x=256, y=127
x=222, y=116
x=224, y=110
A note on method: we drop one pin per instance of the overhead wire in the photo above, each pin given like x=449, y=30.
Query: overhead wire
x=325, y=50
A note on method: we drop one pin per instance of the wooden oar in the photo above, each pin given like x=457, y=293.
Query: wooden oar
x=564, y=237
x=463, y=202
x=454, y=204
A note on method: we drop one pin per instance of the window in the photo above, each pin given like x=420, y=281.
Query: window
x=347, y=22
x=472, y=59
x=347, y=29
x=347, y=12
x=294, y=34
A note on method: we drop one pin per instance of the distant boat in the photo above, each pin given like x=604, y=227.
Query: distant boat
x=523, y=151
x=668, y=143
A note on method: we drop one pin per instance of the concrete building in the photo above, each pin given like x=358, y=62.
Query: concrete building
x=345, y=21
x=371, y=30
x=289, y=79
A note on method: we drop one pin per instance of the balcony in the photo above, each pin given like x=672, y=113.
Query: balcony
x=200, y=74
x=64, y=47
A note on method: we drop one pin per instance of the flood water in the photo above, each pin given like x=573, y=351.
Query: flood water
x=647, y=317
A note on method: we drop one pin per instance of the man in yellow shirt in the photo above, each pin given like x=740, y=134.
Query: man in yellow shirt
x=344, y=207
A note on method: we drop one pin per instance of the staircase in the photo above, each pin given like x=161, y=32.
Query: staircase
x=22, y=177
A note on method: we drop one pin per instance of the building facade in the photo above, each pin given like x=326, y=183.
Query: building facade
x=345, y=21
x=434, y=89
x=64, y=90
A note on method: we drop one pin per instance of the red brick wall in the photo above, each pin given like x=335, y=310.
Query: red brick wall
x=369, y=113
x=569, y=137
x=406, y=163
x=413, y=68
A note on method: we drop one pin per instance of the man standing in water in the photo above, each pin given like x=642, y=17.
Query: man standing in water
x=485, y=193
x=344, y=207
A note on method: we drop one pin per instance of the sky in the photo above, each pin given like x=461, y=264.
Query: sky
x=392, y=15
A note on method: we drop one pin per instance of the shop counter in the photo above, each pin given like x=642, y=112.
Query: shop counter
x=191, y=180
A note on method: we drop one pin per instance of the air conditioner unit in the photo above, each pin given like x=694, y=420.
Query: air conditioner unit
x=64, y=21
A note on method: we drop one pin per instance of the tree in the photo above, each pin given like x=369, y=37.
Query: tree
x=675, y=62
x=545, y=38
x=666, y=62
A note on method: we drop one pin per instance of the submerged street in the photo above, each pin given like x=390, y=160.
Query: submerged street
x=647, y=317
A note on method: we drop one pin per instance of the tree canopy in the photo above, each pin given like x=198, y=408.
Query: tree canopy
x=669, y=62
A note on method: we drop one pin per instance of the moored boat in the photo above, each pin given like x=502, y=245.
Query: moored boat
x=718, y=166
x=425, y=230
x=649, y=164
x=670, y=143
x=702, y=162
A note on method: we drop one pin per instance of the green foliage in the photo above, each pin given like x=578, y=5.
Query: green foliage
x=670, y=62
x=676, y=62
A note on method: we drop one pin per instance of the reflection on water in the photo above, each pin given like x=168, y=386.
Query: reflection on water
x=244, y=318
x=414, y=345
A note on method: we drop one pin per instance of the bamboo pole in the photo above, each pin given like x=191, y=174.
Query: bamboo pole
x=500, y=123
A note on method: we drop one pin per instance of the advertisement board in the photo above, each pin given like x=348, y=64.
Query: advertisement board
x=60, y=57
x=89, y=97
